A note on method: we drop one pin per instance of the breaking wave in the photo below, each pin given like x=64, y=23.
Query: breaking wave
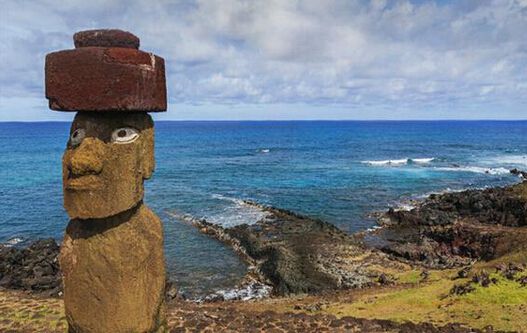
x=475, y=169
x=238, y=212
x=252, y=291
x=404, y=161
x=13, y=241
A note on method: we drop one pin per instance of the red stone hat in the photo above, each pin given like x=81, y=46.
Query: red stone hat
x=105, y=72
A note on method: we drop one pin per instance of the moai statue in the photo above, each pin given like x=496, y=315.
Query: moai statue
x=112, y=254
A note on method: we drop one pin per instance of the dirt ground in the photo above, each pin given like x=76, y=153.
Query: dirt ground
x=20, y=312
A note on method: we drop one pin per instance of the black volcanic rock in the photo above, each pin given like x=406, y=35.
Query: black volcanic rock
x=494, y=206
x=454, y=229
x=35, y=268
x=297, y=254
x=520, y=173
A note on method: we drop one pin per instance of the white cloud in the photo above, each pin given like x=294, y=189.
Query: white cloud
x=357, y=54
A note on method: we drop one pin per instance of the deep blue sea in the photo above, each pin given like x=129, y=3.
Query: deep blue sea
x=338, y=171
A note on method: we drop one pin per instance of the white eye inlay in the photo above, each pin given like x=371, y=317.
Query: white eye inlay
x=125, y=135
x=77, y=136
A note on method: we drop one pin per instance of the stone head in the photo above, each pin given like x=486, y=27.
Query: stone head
x=107, y=158
x=112, y=85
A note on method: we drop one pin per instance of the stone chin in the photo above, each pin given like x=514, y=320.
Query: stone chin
x=95, y=204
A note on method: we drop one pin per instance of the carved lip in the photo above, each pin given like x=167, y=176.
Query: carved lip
x=88, y=182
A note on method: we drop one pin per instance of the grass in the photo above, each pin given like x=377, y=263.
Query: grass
x=502, y=305
x=410, y=277
x=23, y=313
x=521, y=190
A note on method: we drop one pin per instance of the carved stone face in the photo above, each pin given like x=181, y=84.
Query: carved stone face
x=107, y=158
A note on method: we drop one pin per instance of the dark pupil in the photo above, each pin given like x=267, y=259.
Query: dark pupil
x=121, y=133
x=75, y=134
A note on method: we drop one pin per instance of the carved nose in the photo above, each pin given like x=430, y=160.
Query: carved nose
x=88, y=158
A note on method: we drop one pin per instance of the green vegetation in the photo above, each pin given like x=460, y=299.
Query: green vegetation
x=20, y=312
x=521, y=190
x=502, y=305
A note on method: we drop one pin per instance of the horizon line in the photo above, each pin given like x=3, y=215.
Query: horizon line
x=291, y=120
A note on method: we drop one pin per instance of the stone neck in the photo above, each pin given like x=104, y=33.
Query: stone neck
x=95, y=226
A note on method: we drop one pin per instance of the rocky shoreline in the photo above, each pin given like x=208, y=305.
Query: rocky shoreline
x=288, y=253
x=455, y=229
x=34, y=268
x=296, y=254
x=444, y=248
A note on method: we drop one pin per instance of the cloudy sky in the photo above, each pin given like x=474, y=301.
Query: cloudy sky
x=286, y=59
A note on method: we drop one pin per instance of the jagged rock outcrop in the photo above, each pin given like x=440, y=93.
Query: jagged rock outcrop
x=455, y=228
x=34, y=268
x=297, y=254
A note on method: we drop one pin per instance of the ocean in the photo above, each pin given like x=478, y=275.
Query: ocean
x=340, y=172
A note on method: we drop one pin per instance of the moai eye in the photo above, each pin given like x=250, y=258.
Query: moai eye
x=124, y=135
x=77, y=136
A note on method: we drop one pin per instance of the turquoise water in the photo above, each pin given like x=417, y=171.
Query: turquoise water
x=337, y=171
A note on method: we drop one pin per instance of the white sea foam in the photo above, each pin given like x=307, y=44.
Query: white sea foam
x=514, y=160
x=226, y=198
x=236, y=213
x=187, y=218
x=404, y=207
x=446, y=190
x=422, y=160
x=265, y=150
x=239, y=213
x=252, y=291
x=13, y=241
x=375, y=227
x=386, y=162
x=399, y=162
x=476, y=169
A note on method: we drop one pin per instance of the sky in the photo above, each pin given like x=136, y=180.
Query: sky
x=278, y=59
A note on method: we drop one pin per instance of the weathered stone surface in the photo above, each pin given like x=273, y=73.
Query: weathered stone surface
x=106, y=38
x=101, y=175
x=35, y=268
x=114, y=273
x=105, y=79
x=112, y=255
x=454, y=229
x=494, y=206
x=297, y=254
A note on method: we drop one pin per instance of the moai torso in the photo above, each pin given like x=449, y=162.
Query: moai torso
x=112, y=255
x=114, y=275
